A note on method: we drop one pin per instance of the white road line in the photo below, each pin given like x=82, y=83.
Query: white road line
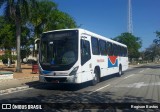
x=99, y=89
x=128, y=76
x=9, y=91
x=141, y=71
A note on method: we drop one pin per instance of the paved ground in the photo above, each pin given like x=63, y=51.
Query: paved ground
x=18, y=80
x=21, y=80
x=138, y=87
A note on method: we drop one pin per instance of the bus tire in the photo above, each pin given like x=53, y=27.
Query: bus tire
x=120, y=71
x=96, y=78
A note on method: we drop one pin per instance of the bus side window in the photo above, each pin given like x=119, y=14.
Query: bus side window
x=121, y=49
x=109, y=47
x=102, y=45
x=113, y=49
x=95, y=46
x=116, y=50
x=126, y=52
x=85, y=51
x=123, y=52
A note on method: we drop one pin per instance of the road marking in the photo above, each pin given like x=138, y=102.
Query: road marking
x=138, y=85
x=13, y=90
x=99, y=89
x=128, y=76
x=141, y=71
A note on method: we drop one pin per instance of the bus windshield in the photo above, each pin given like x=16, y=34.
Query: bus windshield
x=59, y=50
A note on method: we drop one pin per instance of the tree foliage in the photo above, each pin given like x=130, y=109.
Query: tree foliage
x=152, y=52
x=17, y=11
x=46, y=16
x=133, y=43
x=41, y=15
x=59, y=20
x=7, y=35
x=157, y=41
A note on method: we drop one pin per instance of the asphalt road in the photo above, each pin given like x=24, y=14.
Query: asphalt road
x=138, y=87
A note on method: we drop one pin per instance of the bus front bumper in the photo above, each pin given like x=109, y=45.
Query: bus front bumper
x=58, y=79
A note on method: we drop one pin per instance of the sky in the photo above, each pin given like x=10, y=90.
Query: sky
x=109, y=18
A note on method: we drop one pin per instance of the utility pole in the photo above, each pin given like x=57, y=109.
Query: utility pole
x=130, y=25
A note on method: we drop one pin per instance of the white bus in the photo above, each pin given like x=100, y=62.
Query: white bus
x=77, y=56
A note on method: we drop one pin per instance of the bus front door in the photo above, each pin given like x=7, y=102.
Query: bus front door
x=86, y=59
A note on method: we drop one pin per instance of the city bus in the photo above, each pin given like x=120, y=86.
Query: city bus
x=77, y=56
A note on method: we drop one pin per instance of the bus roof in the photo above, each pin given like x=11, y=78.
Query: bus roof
x=91, y=34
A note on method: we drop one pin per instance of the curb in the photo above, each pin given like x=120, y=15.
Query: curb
x=12, y=90
x=5, y=80
x=19, y=88
x=6, y=75
x=16, y=89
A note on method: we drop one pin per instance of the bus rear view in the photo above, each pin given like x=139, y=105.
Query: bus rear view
x=58, y=56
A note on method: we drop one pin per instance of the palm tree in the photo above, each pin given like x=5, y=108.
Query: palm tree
x=17, y=10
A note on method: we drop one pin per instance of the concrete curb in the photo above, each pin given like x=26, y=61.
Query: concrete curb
x=6, y=80
x=12, y=90
x=6, y=75
x=16, y=89
x=21, y=87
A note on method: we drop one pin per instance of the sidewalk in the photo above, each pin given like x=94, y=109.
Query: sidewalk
x=19, y=81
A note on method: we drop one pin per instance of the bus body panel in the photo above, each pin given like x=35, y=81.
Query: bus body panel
x=84, y=70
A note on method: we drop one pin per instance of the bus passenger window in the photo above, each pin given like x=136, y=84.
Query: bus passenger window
x=109, y=49
x=95, y=46
x=102, y=45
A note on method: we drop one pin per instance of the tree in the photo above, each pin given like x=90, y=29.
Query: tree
x=152, y=52
x=133, y=43
x=7, y=38
x=59, y=20
x=47, y=17
x=7, y=35
x=39, y=15
x=157, y=41
x=17, y=10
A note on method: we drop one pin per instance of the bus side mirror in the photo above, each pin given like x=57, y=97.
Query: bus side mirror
x=36, y=46
x=36, y=43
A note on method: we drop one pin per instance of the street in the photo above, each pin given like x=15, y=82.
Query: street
x=138, y=85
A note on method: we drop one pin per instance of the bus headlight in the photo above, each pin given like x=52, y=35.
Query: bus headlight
x=74, y=71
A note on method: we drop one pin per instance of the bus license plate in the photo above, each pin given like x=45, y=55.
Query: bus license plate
x=55, y=81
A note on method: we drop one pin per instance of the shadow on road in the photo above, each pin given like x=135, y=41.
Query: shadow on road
x=64, y=86
x=56, y=86
x=68, y=98
x=100, y=101
x=157, y=66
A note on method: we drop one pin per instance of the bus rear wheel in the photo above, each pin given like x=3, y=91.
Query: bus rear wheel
x=120, y=71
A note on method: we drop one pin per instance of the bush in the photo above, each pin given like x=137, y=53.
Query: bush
x=4, y=59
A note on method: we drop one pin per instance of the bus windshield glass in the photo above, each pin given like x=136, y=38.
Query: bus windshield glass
x=59, y=50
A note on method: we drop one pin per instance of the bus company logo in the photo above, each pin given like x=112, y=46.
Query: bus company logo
x=6, y=106
x=112, y=61
x=46, y=72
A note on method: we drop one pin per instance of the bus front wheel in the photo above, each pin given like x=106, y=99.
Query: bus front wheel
x=96, y=78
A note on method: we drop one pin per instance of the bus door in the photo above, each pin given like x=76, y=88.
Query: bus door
x=86, y=67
